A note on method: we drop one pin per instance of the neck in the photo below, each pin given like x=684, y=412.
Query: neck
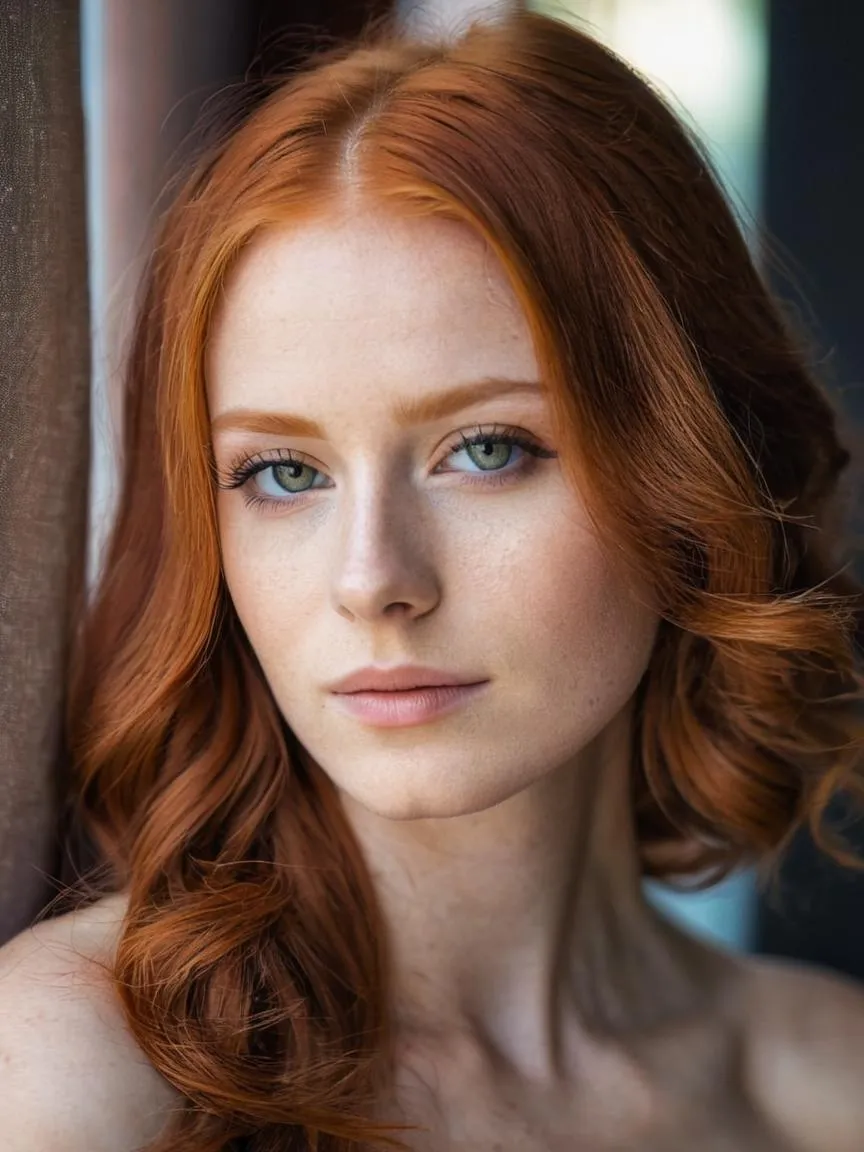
x=521, y=932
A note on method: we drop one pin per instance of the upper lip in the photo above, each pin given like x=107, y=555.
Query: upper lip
x=400, y=678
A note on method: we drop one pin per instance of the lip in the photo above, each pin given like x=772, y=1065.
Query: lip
x=408, y=707
x=400, y=678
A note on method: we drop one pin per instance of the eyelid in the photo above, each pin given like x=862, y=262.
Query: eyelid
x=240, y=467
x=505, y=432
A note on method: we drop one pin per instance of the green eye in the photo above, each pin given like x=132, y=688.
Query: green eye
x=491, y=453
x=288, y=476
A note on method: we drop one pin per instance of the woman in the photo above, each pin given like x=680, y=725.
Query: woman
x=474, y=560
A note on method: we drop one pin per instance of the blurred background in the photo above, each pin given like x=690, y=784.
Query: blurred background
x=774, y=89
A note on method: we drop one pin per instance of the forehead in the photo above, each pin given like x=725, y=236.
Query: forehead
x=388, y=302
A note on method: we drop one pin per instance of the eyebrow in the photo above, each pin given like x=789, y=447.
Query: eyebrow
x=419, y=410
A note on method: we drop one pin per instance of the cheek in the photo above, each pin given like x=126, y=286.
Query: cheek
x=274, y=583
x=590, y=628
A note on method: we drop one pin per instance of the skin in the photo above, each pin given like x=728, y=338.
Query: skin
x=499, y=836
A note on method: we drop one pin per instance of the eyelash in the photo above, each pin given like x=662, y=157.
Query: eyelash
x=243, y=467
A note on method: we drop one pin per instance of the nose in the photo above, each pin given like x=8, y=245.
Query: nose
x=384, y=568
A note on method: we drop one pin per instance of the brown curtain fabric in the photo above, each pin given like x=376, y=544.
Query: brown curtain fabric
x=44, y=428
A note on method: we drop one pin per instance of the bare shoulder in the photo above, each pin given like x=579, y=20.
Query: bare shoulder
x=805, y=1053
x=73, y=1076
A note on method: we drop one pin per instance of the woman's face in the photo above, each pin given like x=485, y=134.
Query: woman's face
x=372, y=536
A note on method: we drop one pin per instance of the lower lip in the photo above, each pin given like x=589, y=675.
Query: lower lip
x=403, y=709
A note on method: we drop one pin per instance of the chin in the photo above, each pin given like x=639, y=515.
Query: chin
x=430, y=797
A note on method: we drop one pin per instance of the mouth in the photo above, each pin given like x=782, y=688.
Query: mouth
x=407, y=707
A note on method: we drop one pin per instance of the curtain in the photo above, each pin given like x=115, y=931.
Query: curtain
x=44, y=428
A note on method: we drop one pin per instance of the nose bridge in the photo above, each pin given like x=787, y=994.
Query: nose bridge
x=384, y=553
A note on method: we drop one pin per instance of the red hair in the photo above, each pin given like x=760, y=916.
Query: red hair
x=251, y=967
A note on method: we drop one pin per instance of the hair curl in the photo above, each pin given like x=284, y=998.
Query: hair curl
x=251, y=967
